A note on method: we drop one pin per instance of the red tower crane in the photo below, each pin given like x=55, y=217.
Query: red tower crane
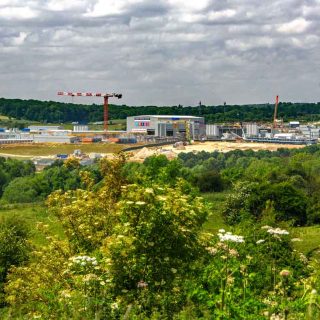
x=105, y=96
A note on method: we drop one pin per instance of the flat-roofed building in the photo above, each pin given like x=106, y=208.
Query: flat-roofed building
x=167, y=126
x=44, y=128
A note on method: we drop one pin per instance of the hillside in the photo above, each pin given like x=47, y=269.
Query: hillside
x=57, y=112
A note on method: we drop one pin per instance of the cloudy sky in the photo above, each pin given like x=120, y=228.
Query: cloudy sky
x=161, y=51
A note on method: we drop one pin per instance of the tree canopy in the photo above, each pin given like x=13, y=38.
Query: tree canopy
x=58, y=112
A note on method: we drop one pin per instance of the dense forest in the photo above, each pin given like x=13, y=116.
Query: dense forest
x=57, y=112
x=135, y=241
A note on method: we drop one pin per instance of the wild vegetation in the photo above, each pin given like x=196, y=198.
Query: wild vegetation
x=137, y=241
x=57, y=112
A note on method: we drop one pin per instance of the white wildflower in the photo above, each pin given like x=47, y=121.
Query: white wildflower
x=140, y=203
x=114, y=306
x=260, y=241
x=230, y=237
x=233, y=252
x=222, y=231
x=296, y=239
x=84, y=260
x=212, y=250
x=266, y=227
x=142, y=284
x=277, y=231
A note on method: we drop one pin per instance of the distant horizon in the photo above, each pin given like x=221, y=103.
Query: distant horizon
x=159, y=105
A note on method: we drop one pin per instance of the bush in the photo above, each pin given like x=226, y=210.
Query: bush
x=14, y=248
x=20, y=190
x=209, y=181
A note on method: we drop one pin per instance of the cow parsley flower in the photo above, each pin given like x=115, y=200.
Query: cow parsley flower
x=277, y=231
x=260, y=241
x=230, y=237
x=84, y=260
x=140, y=203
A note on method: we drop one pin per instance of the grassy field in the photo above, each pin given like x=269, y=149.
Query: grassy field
x=310, y=236
x=33, y=213
x=33, y=150
x=215, y=220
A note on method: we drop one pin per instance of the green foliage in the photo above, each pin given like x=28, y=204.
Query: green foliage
x=14, y=248
x=249, y=201
x=36, y=187
x=127, y=245
x=20, y=190
x=134, y=245
x=11, y=169
x=287, y=178
x=57, y=112
x=209, y=181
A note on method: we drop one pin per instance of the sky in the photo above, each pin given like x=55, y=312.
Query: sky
x=161, y=52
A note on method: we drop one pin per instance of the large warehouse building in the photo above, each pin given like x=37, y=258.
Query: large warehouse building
x=167, y=126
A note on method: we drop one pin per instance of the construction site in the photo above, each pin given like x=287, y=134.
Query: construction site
x=168, y=134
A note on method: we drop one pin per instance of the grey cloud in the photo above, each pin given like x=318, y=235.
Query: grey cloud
x=241, y=51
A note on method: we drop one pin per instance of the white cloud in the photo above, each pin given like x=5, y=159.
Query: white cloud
x=16, y=13
x=298, y=25
x=189, y=5
x=220, y=15
x=250, y=43
x=110, y=7
x=61, y=5
x=19, y=40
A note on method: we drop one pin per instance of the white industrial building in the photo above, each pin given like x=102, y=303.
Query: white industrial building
x=44, y=128
x=57, y=138
x=167, y=125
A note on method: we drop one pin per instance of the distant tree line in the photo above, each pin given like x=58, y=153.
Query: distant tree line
x=57, y=112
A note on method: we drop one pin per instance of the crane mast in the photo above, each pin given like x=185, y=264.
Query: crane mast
x=105, y=96
x=275, y=112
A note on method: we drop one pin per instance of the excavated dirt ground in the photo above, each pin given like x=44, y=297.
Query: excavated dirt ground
x=209, y=146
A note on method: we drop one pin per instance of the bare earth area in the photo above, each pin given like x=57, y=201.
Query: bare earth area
x=223, y=146
x=50, y=150
x=210, y=146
